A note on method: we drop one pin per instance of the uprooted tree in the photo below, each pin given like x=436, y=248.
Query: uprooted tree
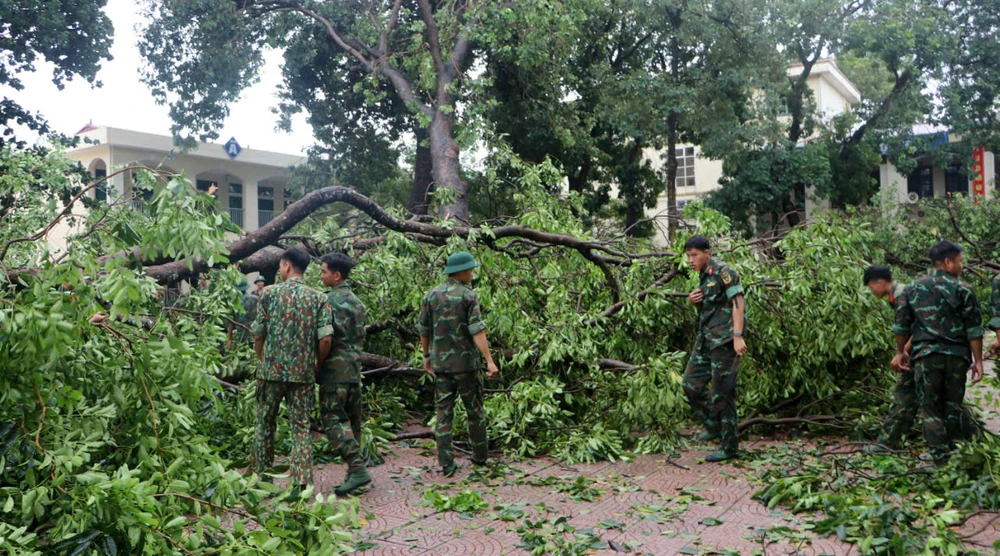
x=143, y=420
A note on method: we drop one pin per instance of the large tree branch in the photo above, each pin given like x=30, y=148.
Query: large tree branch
x=403, y=85
x=383, y=37
x=433, y=35
x=884, y=108
x=251, y=245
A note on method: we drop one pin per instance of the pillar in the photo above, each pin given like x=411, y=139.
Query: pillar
x=250, y=214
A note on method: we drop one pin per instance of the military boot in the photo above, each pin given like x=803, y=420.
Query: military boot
x=709, y=436
x=356, y=479
x=721, y=455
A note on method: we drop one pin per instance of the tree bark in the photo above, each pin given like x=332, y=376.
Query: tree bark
x=446, y=169
x=675, y=68
x=423, y=178
x=796, y=97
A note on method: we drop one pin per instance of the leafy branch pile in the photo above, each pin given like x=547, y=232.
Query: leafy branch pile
x=122, y=429
x=110, y=434
x=887, y=505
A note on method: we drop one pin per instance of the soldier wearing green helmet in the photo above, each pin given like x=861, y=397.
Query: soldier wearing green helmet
x=453, y=337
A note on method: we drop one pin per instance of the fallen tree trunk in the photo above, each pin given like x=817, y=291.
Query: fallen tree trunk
x=252, y=253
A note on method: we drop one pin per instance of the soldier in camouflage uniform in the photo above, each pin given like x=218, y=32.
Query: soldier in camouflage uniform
x=942, y=315
x=905, y=400
x=340, y=378
x=292, y=332
x=242, y=334
x=453, y=337
x=710, y=377
x=905, y=395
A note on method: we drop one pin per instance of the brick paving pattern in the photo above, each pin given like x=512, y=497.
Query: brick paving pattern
x=651, y=505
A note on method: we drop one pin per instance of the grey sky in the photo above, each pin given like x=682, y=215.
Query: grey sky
x=125, y=102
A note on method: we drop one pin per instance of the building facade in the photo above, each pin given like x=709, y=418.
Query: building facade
x=251, y=184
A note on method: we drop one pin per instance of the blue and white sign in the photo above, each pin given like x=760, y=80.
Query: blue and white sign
x=233, y=148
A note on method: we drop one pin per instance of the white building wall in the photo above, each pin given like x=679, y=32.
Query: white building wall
x=117, y=148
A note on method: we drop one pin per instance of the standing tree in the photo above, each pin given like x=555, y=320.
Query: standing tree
x=639, y=76
x=203, y=54
x=894, y=51
x=73, y=35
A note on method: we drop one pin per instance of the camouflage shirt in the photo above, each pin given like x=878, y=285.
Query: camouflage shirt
x=292, y=318
x=720, y=284
x=344, y=362
x=941, y=314
x=247, y=319
x=449, y=316
x=896, y=295
x=994, y=323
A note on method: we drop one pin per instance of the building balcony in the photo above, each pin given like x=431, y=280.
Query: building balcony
x=236, y=215
x=264, y=216
x=138, y=204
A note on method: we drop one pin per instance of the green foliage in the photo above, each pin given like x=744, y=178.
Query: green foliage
x=466, y=501
x=883, y=505
x=111, y=433
x=73, y=35
x=121, y=430
x=557, y=536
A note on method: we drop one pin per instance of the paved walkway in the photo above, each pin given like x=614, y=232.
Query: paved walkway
x=648, y=506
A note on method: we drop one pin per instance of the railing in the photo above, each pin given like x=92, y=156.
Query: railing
x=138, y=204
x=236, y=215
x=264, y=216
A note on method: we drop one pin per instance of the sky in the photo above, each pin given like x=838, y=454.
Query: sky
x=125, y=102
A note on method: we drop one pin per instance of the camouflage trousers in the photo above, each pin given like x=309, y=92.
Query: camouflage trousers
x=299, y=401
x=904, y=409
x=710, y=386
x=447, y=388
x=340, y=412
x=942, y=391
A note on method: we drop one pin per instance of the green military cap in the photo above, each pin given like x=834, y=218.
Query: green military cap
x=259, y=279
x=460, y=261
x=242, y=285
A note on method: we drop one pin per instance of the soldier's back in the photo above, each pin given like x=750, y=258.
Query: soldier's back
x=294, y=314
x=450, y=317
x=941, y=305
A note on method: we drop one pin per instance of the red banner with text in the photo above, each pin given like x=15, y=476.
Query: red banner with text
x=978, y=172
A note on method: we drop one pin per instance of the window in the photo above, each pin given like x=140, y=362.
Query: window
x=236, y=202
x=955, y=181
x=685, y=166
x=265, y=192
x=921, y=182
x=236, y=189
x=204, y=185
x=265, y=204
x=101, y=192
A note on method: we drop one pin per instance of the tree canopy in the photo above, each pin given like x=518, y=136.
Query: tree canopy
x=74, y=36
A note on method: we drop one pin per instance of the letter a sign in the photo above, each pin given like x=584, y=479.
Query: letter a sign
x=233, y=148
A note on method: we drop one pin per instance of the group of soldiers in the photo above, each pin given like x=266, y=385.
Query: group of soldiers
x=304, y=337
x=939, y=338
